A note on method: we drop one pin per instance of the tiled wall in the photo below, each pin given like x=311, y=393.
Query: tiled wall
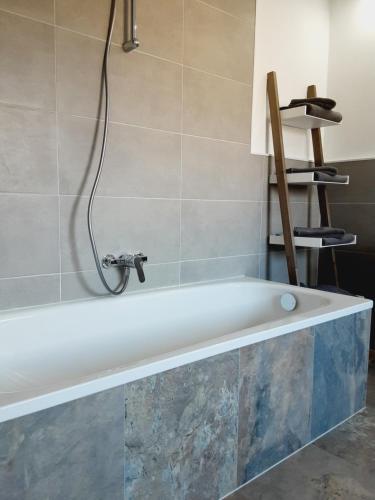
x=353, y=208
x=179, y=181
x=197, y=431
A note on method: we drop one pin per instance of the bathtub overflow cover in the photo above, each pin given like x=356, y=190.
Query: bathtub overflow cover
x=288, y=302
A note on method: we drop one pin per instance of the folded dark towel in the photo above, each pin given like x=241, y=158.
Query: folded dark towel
x=340, y=240
x=319, y=232
x=323, y=102
x=319, y=112
x=324, y=177
x=326, y=170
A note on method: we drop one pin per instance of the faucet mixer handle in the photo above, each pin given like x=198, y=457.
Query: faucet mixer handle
x=139, y=260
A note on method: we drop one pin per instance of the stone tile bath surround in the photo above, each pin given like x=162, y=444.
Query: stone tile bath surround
x=194, y=432
x=178, y=158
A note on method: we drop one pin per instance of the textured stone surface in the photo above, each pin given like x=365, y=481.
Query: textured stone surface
x=340, y=370
x=70, y=452
x=275, y=401
x=181, y=432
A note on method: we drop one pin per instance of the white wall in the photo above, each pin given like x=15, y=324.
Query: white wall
x=351, y=79
x=291, y=38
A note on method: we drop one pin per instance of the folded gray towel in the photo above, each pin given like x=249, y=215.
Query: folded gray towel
x=318, y=232
x=322, y=176
x=341, y=240
x=319, y=112
x=323, y=102
x=326, y=170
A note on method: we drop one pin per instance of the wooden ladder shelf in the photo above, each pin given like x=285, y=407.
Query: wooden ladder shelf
x=297, y=118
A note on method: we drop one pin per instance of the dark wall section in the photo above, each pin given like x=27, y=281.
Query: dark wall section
x=353, y=208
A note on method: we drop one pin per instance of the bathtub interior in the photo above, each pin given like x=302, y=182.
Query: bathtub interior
x=71, y=342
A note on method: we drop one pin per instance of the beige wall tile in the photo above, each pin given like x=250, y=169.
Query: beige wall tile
x=29, y=235
x=160, y=28
x=30, y=291
x=146, y=90
x=221, y=170
x=218, y=43
x=87, y=284
x=213, y=269
x=139, y=162
x=120, y=225
x=79, y=62
x=37, y=9
x=27, y=150
x=26, y=62
x=239, y=8
x=216, y=107
x=219, y=229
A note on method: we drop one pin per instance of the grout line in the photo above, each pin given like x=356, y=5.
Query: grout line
x=193, y=68
x=181, y=141
x=352, y=203
x=30, y=18
x=223, y=11
x=57, y=153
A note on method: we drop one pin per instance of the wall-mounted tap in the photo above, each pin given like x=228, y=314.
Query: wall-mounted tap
x=127, y=260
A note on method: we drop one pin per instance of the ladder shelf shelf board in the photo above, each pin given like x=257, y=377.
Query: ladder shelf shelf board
x=298, y=118
x=306, y=242
x=305, y=179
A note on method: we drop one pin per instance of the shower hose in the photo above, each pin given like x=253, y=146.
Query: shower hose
x=124, y=280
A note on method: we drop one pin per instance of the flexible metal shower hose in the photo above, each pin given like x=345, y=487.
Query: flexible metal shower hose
x=125, y=278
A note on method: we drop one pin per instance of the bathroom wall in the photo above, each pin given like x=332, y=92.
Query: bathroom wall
x=179, y=182
x=351, y=79
x=291, y=38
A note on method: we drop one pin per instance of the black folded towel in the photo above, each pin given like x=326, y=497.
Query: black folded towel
x=340, y=240
x=319, y=232
x=326, y=170
x=324, y=177
x=319, y=112
x=323, y=102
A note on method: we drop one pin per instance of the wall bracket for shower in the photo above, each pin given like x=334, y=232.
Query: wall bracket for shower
x=131, y=41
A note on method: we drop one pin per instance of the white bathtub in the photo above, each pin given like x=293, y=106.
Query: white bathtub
x=54, y=354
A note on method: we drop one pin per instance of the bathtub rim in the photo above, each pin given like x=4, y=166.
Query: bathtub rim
x=109, y=379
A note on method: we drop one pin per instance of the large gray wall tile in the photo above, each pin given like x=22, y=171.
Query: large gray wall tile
x=26, y=62
x=30, y=291
x=273, y=265
x=276, y=379
x=362, y=175
x=29, y=235
x=87, y=284
x=340, y=370
x=146, y=90
x=357, y=219
x=181, y=432
x=215, y=107
x=41, y=10
x=120, y=225
x=219, y=229
x=139, y=162
x=69, y=452
x=211, y=269
x=28, y=160
x=206, y=46
x=221, y=170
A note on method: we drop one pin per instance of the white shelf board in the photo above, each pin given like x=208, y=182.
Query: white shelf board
x=305, y=178
x=298, y=118
x=301, y=241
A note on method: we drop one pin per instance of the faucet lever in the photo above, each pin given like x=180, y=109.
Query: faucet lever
x=139, y=259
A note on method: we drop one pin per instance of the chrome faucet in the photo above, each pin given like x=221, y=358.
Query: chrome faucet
x=127, y=260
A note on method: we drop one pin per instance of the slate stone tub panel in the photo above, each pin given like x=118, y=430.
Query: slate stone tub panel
x=72, y=451
x=276, y=381
x=340, y=370
x=181, y=432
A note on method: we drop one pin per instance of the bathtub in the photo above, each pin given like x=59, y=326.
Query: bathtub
x=55, y=354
